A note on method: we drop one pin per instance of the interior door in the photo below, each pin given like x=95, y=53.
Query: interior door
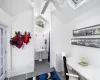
x=2, y=54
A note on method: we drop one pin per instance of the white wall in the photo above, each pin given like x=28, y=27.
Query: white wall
x=92, y=54
x=23, y=59
x=60, y=39
x=4, y=18
x=64, y=22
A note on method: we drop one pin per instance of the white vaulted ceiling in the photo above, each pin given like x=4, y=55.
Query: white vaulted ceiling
x=68, y=13
x=13, y=7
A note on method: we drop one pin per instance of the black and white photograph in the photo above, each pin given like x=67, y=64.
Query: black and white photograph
x=89, y=42
x=92, y=30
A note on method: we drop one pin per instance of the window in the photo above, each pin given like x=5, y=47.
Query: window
x=76, y=3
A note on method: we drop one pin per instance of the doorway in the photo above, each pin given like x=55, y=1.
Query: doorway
x=42, y=46
x=2, y=52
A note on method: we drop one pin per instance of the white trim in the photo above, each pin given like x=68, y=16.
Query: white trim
x=3, y=27
x=3, y=24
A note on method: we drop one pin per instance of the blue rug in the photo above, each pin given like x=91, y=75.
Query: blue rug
x=46, y=76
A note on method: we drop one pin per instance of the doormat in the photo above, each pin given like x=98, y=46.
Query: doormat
x=47, y=76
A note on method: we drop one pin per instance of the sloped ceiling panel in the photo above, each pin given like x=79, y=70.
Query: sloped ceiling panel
x=68, y=14
x=14, y=7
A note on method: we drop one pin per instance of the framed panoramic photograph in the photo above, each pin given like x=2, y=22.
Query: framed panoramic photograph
x=89, y=42
x=92, y=30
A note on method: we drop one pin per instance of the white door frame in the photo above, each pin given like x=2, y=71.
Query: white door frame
x=4, y=46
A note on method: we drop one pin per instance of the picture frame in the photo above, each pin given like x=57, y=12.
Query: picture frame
x=91, y=30
x=88, y=42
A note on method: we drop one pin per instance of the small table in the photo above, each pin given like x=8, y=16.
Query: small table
x=89, y=72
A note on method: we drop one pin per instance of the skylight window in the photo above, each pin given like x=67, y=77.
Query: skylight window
x=76, y=3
